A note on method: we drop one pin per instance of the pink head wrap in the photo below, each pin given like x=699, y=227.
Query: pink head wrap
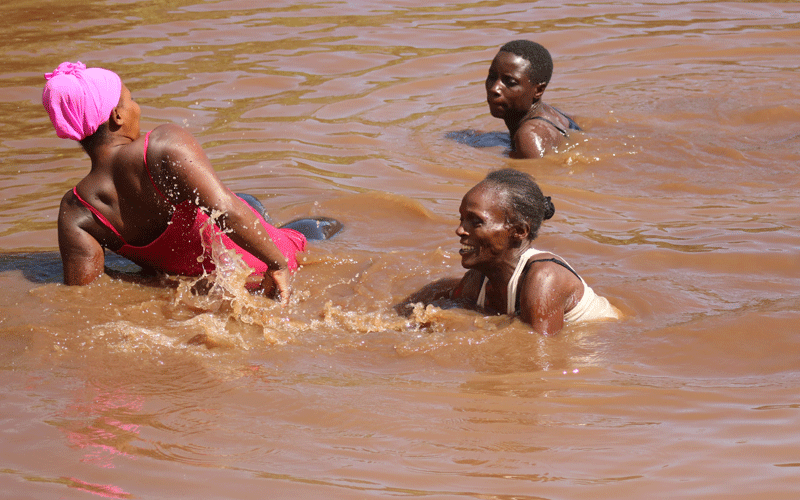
x=79, y=100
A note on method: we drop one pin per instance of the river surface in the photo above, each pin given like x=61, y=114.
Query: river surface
x=678, y=202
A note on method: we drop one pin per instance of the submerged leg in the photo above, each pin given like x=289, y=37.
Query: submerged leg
x=313, y=228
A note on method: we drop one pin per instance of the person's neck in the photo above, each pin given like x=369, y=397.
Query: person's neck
x=106, y=147
x=499, y=276
x=514, y=123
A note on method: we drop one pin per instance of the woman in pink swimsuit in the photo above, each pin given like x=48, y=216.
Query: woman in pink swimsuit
x=148, y=198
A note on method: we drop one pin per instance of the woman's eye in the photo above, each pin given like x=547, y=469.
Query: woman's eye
x=509, y=82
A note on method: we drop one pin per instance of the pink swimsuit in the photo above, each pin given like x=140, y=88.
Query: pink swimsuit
x=180, y=249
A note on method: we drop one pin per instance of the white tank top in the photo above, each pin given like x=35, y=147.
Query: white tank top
x=591, y=306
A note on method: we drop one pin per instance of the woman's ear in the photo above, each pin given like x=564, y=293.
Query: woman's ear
x=115, y=119
x=520, y=231
x=539, y=90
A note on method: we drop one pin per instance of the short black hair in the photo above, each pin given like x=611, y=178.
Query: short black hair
x=541, y=69
x=525, y=200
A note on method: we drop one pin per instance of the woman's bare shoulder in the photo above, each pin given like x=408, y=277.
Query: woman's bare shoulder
x=169, y=134
x=548, y=282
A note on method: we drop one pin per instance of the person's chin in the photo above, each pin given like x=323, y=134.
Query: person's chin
x=468, y=260
x=497, y=111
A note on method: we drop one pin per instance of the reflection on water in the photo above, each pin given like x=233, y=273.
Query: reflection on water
x=678, y=203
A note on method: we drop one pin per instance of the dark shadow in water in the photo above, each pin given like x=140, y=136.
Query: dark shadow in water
x=38, y=267
x=478, y=139
x=45, y=267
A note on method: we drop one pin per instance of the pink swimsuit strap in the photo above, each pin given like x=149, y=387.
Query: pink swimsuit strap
x=101, y=216
x=98, y=215
x=147, y=167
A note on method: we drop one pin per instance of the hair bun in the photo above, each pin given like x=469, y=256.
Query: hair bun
x=549, y=208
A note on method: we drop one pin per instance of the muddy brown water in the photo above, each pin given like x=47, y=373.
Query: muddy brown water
x=678, y=203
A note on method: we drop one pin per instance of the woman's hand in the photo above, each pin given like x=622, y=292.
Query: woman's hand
x=276, y=285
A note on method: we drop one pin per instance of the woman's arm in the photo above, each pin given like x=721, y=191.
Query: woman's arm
x=468, y=289
x=438, y=290
x=81, y=254
x=548, y=292
x=527, y=144
x=535, y=138
x=186, y=174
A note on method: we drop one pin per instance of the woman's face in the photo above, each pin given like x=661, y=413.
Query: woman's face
x=486, y=238
x=509, y=91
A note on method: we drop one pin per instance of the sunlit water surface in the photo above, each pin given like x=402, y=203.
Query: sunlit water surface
x=678, y=203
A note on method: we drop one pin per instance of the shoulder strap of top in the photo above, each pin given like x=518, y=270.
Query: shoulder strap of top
x=482, y=294
x=98, y=215
x=146, y=167
x=572, y=124
x=512, y=283
x=563, y=132
x=525, y=271
x=511, y=290
x=560, y=263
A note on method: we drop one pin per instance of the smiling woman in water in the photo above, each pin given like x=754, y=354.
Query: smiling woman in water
x=500, y=219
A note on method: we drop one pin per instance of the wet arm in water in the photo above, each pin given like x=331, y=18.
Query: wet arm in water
x=527, y=144
x=446, y=293
x=429, y=293
x=548, y=290
x=81, y=254
x=535, y=136
x=185, y=173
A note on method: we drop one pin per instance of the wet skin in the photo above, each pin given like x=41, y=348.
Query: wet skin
x=515, y=99
x=120, y=188
x=491, y=247
x=488, y=241
x=509, y=91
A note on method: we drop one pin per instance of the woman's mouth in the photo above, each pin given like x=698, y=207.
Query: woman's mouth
x=497, y=109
